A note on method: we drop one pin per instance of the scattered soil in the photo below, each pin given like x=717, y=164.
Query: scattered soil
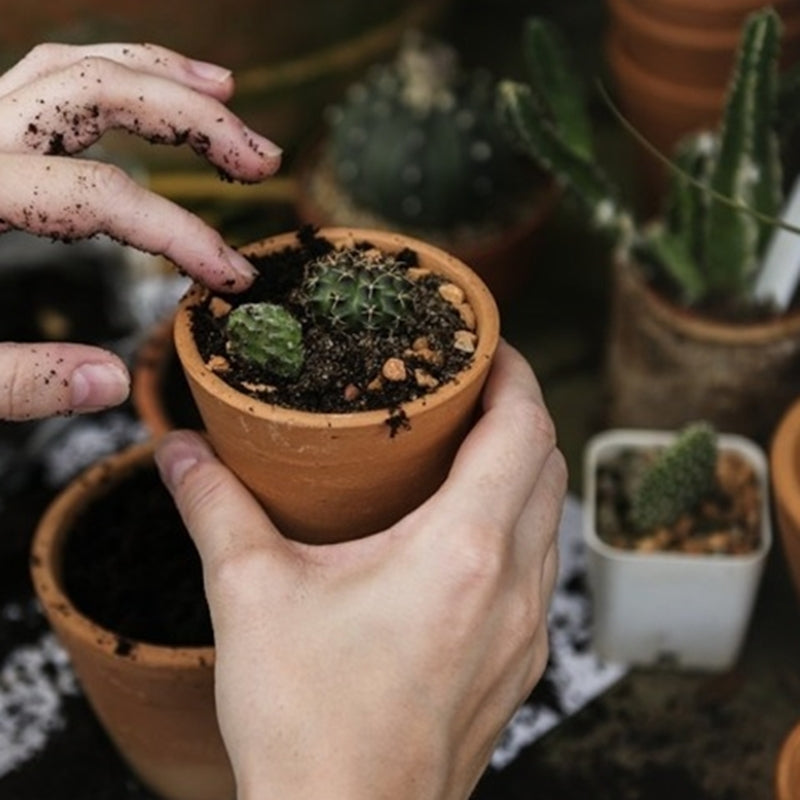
x=130, y=565
x=344, y=371
x=726, y=521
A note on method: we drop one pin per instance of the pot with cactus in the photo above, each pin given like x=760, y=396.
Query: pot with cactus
x=703, y=320
x=677, y=530
x=416, y=146
x=339, y=387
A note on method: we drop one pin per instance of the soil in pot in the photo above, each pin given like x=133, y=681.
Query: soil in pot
x=131, y=566
x=345, y=370
x=727, y=520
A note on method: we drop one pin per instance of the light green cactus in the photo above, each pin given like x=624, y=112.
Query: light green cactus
x=726, y=188
x=680, y=476
x=267, y=335
x=357, y=289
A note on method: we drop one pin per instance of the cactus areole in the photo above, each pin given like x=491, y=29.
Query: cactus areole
x=337, y=329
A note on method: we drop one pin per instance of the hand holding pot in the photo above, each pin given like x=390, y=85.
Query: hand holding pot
x=385, y=666
x=58, y=101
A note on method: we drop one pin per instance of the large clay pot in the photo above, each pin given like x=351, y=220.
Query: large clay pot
x=666, y=366
x=785, y=468
x=331, y=477
x=155, y=702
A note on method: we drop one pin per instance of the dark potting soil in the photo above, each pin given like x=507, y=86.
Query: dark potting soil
x=341, y=367
x=130, y=565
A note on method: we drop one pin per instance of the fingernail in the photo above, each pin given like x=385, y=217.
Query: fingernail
x=176, y=454
x=240, y=265
x=210, y=72
x=95, y=386
x=266, y=147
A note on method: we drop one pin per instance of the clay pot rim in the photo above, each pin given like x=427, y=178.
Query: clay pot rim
x=148, y=376
x=705, y=329
x=785, y=459
x=677, y=94
x=788, y=756
x=51, y=529
x=477, y=293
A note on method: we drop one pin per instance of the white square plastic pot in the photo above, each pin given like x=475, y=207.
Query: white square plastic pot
x=671, y=609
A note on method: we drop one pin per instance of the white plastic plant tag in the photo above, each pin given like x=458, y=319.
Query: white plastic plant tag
x=780, y=272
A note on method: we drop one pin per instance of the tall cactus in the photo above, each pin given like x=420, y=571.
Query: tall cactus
x=712, y=234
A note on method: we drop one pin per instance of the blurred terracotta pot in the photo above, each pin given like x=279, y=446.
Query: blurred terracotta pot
x=155, y=702
x=787, y=769
x=666, y=366
x=785, y=468
x=332, y=477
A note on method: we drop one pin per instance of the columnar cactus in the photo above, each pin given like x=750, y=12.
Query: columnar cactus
x=417, y=141
x=357, y=289
x=267, y=335
x=726, y=184
x=681, y=475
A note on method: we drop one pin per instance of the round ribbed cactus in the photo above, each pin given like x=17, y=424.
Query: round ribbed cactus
x=357, y=289
x=418, y=143
x=266, y=335
x=677, y=480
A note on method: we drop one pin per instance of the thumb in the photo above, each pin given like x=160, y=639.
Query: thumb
x=39, y=380
x=226, y=523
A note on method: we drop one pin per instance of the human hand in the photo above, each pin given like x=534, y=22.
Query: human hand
x=388, y=666
x=58, y=101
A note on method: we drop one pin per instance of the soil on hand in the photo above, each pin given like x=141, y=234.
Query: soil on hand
x=726, y=521
x=344, y=370
x=130, y=565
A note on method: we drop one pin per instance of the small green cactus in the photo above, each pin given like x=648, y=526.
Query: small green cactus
x=418, y=143
x=267, y=335
x=357, y=289
x=726, y=188
x=681, y=475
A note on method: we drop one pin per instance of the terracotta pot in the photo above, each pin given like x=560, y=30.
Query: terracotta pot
x=666, y=366
x=785, y=466
x=502, y=255
x=155, y=702
x=330, y=477
x=787, y=768
x=159, y=392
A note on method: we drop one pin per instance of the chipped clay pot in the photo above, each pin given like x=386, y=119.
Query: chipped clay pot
x=155, y=702
x=332, y=477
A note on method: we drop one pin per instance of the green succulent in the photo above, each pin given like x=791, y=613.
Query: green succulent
x=680, y=476
x=726, y=185
x=267, y=335
x=357, y=289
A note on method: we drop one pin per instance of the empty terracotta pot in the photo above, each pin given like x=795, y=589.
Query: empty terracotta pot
x=332, y=477
x=155, y=702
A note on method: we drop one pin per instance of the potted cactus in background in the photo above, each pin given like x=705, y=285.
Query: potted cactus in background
x=694, y=331
x=677, y=531
x=416, y=146
x=339, y=386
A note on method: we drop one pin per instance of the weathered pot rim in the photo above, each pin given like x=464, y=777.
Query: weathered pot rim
x=477, y=293
x=785, y=463
x=703, y=328
x=614, y=439
x=788, y=757
x=48, y=537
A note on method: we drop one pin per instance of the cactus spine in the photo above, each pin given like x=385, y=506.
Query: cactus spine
x=357, y=289
x=707, y=247
x=267, y=335
x=682, y=474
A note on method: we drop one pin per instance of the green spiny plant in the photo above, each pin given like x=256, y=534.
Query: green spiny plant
x=267, y=335
x=726, y=186
x=679, y=477
x=357, y=289
x=417, y=141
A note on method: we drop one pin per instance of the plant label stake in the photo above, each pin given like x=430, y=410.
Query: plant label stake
x=777, y=280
